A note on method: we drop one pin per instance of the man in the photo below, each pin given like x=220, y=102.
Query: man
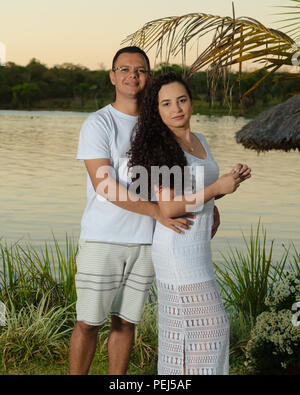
x=114, y=267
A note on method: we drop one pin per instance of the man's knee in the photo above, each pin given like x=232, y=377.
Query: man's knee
x=87, y=330
x=119, y=323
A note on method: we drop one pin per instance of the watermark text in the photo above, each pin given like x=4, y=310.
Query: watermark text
x=2, y=314
x=164, y=184
x=2, y=54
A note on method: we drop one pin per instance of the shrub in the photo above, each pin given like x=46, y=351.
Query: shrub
x=274, y=345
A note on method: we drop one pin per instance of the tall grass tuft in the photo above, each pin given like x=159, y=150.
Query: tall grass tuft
x=240, y=328
x=26, y=274
x=245, y=277
x=146, y=335
x=36, y=332
x=295, y=263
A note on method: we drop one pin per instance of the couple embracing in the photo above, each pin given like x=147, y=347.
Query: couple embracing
x=127, y=242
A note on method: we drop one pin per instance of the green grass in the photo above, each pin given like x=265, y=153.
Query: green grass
x=202, y=107
x=35, y=332
x=36, y=341
x=38, y=289
x=28, y=274
x=246, y=277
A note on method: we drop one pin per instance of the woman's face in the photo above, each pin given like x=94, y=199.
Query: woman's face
x=174, y=105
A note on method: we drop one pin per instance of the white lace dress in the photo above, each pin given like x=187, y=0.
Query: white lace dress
x=193, y=325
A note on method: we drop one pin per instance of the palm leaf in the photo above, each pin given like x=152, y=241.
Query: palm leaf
x=235, y=41
x=295, y=16
x=173, y=34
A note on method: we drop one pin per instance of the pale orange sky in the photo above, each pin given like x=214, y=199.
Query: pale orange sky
x=89, y=32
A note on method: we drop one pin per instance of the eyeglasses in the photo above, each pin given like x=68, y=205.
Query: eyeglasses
x=126, y=70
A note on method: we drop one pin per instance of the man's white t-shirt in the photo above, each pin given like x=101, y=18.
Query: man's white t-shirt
x=107, y=134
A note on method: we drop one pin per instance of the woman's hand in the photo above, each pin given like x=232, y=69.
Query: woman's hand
x=228, y=183
x=243, y=171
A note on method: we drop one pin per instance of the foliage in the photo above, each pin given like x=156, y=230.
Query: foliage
x=275, y=340
x=293, y=11
x=24, y=95
x=245, y=278
x=34, y=84
x=284, y=293
x=27, y=274
x=35, y=332
x=236, y=41
x=240, y=329
x=70, y=87
x=37, y=288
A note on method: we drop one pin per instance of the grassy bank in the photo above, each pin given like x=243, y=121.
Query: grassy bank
x=201, y=107
x=38, y=291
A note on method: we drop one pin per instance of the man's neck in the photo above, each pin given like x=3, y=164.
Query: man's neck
x=129, y=107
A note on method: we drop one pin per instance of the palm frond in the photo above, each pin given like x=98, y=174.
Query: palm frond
x=235, y=41
x=294, y=12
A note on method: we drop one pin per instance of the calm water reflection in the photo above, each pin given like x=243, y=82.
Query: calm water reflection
x=43, y=186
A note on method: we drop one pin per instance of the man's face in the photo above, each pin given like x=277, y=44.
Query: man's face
x=130, y=76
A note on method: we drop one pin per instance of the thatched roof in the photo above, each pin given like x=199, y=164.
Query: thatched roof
x=276, y=128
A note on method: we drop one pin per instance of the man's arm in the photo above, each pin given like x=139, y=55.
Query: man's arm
x=105, y=185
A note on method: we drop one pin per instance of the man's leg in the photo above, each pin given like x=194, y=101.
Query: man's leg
x=137, y=278
x=99, y=276
x=82, y=348
x=120, y=344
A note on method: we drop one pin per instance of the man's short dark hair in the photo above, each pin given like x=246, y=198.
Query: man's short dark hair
x=131, y=50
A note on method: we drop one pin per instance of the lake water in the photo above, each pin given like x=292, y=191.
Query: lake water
x=43, y=186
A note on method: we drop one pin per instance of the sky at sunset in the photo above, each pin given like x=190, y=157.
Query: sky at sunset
x=89, y=32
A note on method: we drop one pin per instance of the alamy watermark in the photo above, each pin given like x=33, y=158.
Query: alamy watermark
x=187, y=185
x=296, y=56
x=2, y=314
x=2, y=54
x=296, y=315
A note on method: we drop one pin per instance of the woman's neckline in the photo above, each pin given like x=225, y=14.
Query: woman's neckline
x=194, y=156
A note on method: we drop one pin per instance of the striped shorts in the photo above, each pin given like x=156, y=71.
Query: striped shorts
x=112, y=279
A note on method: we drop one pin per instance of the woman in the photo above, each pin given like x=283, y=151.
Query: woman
x=193, y=325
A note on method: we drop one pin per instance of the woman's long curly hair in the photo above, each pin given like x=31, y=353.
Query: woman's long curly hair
x=153, y=143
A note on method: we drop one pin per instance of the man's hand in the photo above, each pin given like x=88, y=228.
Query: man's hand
x=176, y=223
x=216, y=223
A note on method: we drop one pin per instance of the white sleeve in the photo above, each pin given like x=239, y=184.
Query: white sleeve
x=94, y=139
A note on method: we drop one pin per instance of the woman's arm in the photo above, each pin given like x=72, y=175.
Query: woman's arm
x=174, y=206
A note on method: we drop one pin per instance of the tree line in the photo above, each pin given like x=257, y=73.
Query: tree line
x=74, y=87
